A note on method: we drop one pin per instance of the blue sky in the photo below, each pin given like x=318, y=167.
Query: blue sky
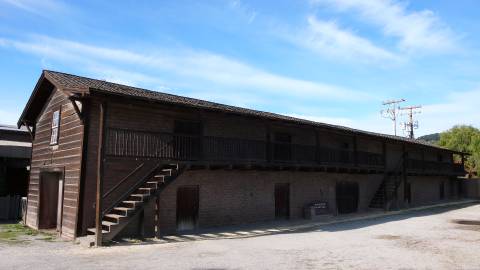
x=326, y=60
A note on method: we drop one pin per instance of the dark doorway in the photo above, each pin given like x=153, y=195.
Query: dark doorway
x=282, y=147
x=408, y=193
x=187, y=208
x=186, y=141
x=347, y=197
x=51, y=201
x=282, y=201
x=442, y=190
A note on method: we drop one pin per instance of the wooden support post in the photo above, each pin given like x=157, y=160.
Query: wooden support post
x=423, y=160
x=268, y=144
x=384, y=155
x=355, y=151
x=317, y=147
x=100, y=161
x=141, y=224
x=404, y=171
x=157, y=217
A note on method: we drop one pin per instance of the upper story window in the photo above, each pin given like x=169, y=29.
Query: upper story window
x=55, y=127
x=187, y=127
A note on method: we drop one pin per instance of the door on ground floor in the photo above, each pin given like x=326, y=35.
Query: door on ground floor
x=408, y=193
x=442, y=190
x=187, y=207
x=51, y=201
x=347, y=197
x=282, y=201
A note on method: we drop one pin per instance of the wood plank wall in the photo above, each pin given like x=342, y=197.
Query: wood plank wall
x=67, y=156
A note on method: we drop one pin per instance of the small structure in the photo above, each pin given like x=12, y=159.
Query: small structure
x=15, y=153
x=111, y=159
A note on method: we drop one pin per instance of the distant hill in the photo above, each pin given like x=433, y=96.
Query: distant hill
x=431, y=138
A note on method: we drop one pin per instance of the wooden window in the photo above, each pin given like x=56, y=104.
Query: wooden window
x=55, y=127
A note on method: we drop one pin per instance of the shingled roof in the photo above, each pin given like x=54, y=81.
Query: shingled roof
x=72, y=82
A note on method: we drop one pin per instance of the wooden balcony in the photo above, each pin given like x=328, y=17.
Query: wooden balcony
x=222, y=151
x=424, y=167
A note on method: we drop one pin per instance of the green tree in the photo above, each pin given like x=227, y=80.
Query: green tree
x=464, y=139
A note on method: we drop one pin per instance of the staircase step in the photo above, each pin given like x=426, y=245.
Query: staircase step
x=94, y=231
x=131, y=204
x=153, y=184
x=109, y=223
x=167, y=172
x=146, y=191
x=122, y=210
x=113, y=217
x=160, y=177
x=137, y=197
x=171, y=166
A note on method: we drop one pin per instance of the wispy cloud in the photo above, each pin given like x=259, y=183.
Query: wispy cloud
x=195, y=67
x=416, y=30
x=246, y=11
x=42, y=8
x=329, y=39
x=458, y=108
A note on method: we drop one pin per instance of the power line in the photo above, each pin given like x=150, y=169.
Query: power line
x=410, y=125
x=391, y=112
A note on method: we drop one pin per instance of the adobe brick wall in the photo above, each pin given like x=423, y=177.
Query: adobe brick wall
x=235, y=197
x=426, y=189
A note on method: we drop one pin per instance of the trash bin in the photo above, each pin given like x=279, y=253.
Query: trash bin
x=317, y=210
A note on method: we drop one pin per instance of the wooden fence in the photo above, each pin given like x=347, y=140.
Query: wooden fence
x=11, y=207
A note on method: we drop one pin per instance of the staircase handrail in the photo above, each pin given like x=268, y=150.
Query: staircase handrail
x=126, y=194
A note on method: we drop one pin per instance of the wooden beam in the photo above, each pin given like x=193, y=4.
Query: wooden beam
x=100, y=155
x=75, y=107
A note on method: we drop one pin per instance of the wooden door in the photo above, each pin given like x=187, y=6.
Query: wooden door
x=282, y=201
x=49, y=201
x=347, y=197
x=187, y=207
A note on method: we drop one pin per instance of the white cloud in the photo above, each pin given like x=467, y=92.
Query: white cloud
x=328, y=39
x=417, y=30
x=247, y=12
x=42, y=8
x=192, y=66
x=458, y=108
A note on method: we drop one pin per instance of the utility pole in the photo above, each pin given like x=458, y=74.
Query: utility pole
x=410, y=125
x=391, y=112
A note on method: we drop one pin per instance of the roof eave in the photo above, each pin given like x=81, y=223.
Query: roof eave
x=45, y=76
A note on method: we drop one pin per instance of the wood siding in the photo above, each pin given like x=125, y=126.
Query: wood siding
x=66, y=157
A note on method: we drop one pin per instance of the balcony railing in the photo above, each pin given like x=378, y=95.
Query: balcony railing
x=169, y=146
x=415, y=165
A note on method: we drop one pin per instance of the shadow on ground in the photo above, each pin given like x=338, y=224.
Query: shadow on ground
x=339, y=223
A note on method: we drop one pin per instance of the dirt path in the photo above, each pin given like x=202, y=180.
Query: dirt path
x=430, y=239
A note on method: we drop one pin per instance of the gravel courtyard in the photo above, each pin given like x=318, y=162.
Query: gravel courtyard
x=442, y=238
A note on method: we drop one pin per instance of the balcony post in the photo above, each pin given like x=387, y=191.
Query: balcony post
x=423, y=160
x=355, y=152
x=100, y=161
x=268, y=146
x=384, y=155
x=317, y=147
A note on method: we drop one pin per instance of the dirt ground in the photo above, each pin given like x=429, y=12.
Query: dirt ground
x=442, y=238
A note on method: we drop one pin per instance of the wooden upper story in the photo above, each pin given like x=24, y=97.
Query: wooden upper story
x=141, y=124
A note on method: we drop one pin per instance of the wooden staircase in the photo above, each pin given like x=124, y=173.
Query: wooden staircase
x=387, y=190
x=132, y=204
